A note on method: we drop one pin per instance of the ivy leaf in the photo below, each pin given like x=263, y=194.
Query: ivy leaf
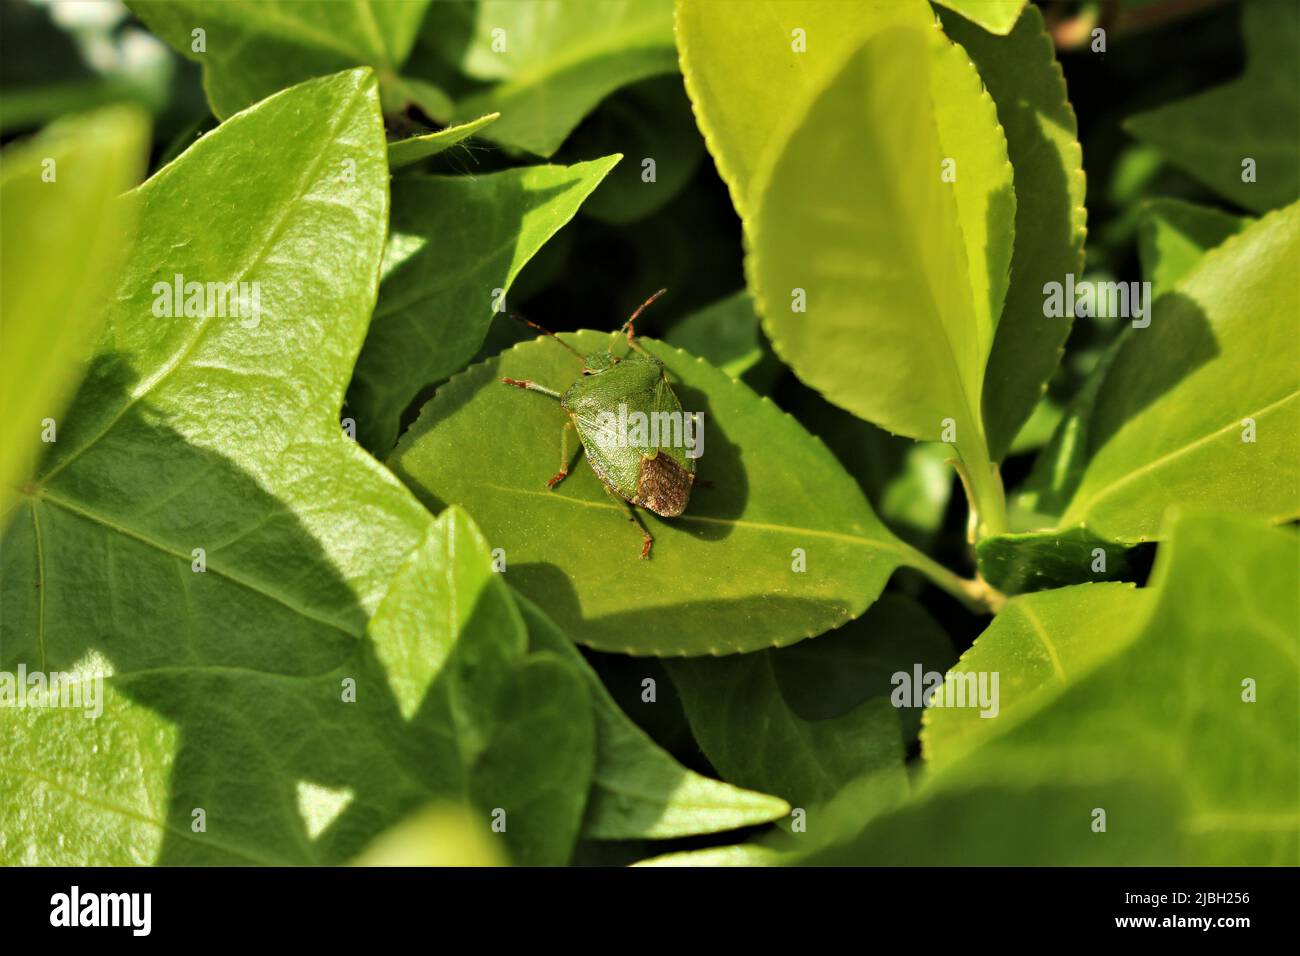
x=253, y=49
x=1021, y=73
x=57, y=278
x=404, y=152
x=203, y=443
x=807, y=720
x=551, y=62
x=995, y=16
x=1182, y=730
x=455, y=245
x=539, y=762
x=639, y=791
x=1173, y=235
x=721, y=577
x=1255, y=117
x=835, y=270
x=505, y=733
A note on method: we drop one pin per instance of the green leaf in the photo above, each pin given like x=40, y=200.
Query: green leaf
x=805, y=721
x=639, y=791
x=552, y=62
x=454, y=241
x=753, y=737
x=404, y=152
x=1161, y=422
x=1037, y=644
x=221, y=434
x=538, y=765
x=505, y=733
x=1173, y=235
x=1021, y=73
x=721, y=576
x=1257, y=117
x=726, y=334
x=1192, y=764
x=62, y=244
x=900, y=243
x=1167, y=427
x=729, y=61
x=1039, y=560
x=996, y=16
x=908, y=483
x=253, y=49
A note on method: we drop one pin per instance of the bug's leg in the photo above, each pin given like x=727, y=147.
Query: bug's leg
x=647, y=540
x=567, y=456
x=531, y=386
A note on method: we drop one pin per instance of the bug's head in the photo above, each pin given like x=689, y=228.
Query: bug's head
x=598, y=362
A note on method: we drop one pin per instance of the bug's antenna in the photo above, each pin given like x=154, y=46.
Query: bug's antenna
x=534, y=325
x=641, y=308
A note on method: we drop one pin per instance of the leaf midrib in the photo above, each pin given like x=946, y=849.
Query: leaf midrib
x=1084, y=509
x=726, y=522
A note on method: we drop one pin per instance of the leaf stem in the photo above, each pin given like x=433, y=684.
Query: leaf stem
x=975, y=593
x=982, y=483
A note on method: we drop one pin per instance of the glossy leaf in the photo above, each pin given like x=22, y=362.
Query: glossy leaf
x=1038, y=644
x=728, y=63
x=884, y=296
x=1193, y=763
x=805, y=721
x=721, y=577
x=455, y=245
x=66, y=231
x=217, y=433
x=1169, y=420
x=1021, y=73
x=253, y=49
x=1039, y=560
x=404, y=152
x=1255, y=117
x=639, y=791
x=551, y=62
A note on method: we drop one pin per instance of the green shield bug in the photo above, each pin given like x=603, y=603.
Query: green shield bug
x=620, y=406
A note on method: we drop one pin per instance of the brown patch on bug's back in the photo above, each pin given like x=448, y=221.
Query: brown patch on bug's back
x=663, y=486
